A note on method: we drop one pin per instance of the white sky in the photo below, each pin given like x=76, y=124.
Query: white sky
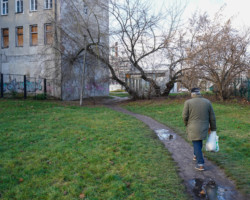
x=237, y=8
x=240, y=9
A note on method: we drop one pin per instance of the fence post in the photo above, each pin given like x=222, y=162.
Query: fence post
x=45, y=87
x=24, y=87
x=1, y=85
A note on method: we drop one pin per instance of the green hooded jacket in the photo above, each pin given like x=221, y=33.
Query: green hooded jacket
x=197, y=115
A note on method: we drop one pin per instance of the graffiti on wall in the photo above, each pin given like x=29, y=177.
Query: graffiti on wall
x=69, y=88
x=17, y=86
x=95, y=87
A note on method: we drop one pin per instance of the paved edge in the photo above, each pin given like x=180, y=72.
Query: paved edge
x=182, y=154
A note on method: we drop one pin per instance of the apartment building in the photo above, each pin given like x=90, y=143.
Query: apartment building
x=29, y=40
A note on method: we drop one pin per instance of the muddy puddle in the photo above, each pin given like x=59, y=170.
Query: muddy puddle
x=208, y=190
x=164, y=135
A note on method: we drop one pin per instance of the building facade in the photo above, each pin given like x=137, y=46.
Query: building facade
x=161, y=77
x=31, y=44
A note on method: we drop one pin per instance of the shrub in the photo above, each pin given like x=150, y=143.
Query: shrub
x=40, y=97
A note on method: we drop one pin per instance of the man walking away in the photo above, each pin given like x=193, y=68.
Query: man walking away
x=198, y=114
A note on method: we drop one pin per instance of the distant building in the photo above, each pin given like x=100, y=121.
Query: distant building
x=126, y=72
x=161, y=77
x=121, y=66
x=27, y=33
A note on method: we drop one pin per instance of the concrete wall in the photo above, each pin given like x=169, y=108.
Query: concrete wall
x=95, y=80
x=96, y=74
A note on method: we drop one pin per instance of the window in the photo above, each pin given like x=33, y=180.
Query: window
x=48, y=34
x=5, y=38
x=33, y=5
x=33, y=35
x=19, y=6
x=47, y=4
x=4, y=7
x=19, y=36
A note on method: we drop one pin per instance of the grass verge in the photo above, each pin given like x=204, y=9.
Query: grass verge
x=233, y=129
x=119, y=94
x=51, y=151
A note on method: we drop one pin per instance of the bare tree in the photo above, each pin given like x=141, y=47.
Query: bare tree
x=133, y=24
x=145, y=36
x=190, y=79
x=176, y=55
x=219, y=50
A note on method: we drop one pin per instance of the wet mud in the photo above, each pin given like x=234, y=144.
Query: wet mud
x=208, y=190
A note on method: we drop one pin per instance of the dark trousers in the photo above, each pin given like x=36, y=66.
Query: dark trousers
x=198, y=151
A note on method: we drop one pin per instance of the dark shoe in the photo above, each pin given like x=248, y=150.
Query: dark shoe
x=200, y=167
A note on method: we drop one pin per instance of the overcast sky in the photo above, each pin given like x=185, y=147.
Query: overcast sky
x=237, y=8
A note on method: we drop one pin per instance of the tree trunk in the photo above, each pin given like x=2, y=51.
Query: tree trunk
x=169, y=87
x=152, y=83
x=221, y=93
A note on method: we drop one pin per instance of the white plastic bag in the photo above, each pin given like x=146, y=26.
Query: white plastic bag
x=212, y=143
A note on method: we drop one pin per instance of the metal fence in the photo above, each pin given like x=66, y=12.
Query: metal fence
x=23, y=86
x=242, y=88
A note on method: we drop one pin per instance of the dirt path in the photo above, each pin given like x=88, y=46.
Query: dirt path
x=209, y=184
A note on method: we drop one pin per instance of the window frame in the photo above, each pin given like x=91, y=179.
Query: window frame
x=3, y=36
x=18, y=34
x=20, y=8
x=31, y=34
x=33, y=8
x=6, y=3
x=48, y=4
x=48, y=32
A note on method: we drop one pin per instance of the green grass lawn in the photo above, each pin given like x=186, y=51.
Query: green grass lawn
x=51, y=151
x=233, y=128
x=119, y=94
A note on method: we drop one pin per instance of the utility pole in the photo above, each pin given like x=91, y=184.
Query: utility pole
x=83, y=70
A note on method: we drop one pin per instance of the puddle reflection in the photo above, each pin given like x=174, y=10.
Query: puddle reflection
x=207, y=190
x=164, y=135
